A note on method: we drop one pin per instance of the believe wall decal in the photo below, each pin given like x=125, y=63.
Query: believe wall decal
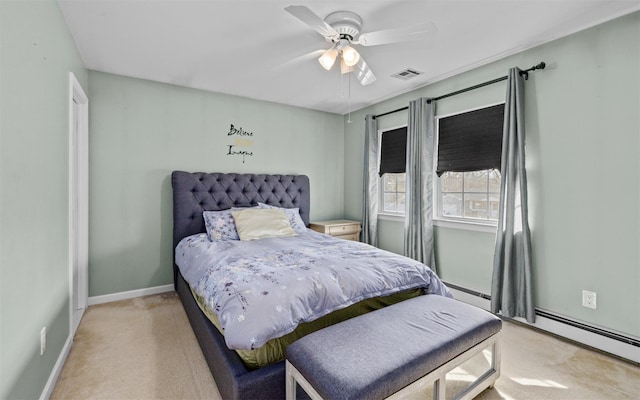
x=241, y=144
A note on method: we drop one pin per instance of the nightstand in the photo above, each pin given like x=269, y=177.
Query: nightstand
x=340, y=228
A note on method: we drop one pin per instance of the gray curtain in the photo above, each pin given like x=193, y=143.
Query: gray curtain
x=370, y=182
x=511, y=286
x=418, y=225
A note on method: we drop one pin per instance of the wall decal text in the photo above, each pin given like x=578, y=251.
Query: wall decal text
x=241, y=146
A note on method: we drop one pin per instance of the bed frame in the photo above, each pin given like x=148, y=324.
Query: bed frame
x=194, y=193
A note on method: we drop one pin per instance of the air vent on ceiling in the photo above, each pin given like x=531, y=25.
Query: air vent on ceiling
x=407, y=74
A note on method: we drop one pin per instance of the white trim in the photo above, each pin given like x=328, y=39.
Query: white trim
x=391, y=217
x=108, y=298
x=445, y=223
x=76, y=318
x=608, y=345
x=57, y=369
x=465, y=225
x=78, y=198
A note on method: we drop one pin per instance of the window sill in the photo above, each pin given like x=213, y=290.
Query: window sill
x=465, y=225
x=391, y=217
x=446, y=223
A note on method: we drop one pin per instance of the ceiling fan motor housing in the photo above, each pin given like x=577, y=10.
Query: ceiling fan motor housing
x=345, y=23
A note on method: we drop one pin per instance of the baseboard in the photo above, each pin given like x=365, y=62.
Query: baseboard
x=108, y=298
x=623, y=347
x=62, y=358
x=57, y=369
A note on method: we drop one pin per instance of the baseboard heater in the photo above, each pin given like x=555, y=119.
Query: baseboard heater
x=558, y=318
x=589, y=328
x=468, y=291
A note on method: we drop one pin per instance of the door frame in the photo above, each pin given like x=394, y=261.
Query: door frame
x=78, y=202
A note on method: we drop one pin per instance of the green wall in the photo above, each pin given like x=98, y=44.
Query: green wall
x=583, y=138
x=37, y=54
x=143, y=130
x=584, y=173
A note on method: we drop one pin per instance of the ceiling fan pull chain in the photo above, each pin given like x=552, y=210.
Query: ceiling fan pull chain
x=349, y=100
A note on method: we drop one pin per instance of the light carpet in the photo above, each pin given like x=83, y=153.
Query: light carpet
x=144, y=348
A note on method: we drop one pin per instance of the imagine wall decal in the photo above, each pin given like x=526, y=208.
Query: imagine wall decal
x=242, y=145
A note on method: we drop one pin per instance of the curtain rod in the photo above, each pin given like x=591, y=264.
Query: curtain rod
x=542, y=65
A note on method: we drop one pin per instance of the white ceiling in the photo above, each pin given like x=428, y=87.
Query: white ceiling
x=239, y=46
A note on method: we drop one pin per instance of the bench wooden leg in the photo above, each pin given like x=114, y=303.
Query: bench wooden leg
x=440, y=388
x=293, y=378
x=290, y=390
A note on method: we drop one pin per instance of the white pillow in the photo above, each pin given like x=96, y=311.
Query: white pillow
x=294, y=217
x=260, y=223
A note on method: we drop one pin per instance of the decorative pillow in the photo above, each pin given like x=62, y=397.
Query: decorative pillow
x=294, y=217
x=220, y=225
x=260, y=223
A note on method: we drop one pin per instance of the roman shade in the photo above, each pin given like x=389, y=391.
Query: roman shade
x=393, y=151
x=471, y=141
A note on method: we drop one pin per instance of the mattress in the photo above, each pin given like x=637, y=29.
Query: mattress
x=274, y=350
x=263, y=289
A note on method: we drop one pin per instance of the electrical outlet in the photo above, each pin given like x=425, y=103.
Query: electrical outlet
x=589, y=299
x=43, y=340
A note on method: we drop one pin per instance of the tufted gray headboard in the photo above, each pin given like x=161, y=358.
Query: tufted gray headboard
x=195, y=192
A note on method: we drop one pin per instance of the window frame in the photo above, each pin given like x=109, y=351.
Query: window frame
x=448, y=221
x=389, y=215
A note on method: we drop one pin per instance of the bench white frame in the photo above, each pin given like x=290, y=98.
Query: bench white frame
x=436, y=376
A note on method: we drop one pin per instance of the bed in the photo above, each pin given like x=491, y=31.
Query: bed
x=195, y=193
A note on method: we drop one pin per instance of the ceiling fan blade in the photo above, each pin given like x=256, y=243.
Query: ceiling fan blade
x=363, y=73
x=307, y=16
x=414, y=32
x=298, y=60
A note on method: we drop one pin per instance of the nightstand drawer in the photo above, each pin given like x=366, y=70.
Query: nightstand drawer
x=340, y=230
x=355, y=237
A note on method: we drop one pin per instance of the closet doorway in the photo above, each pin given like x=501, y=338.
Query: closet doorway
x=78, y=202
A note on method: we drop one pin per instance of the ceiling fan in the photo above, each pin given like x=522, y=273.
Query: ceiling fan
x=342, y=30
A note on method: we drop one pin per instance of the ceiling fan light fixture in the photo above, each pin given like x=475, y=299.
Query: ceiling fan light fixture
x=343, y=29
x=328, y=58
x=350, y=56
x=344, y=69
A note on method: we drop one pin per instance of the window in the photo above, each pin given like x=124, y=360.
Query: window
x=470, y=195
x=467, y=167
x=393, y=193
x=467, y=185
x=393, y=154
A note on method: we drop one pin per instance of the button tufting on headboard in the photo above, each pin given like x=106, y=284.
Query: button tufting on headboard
x=195, y=192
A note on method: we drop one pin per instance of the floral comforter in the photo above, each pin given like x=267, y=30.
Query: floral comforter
x=262, y=289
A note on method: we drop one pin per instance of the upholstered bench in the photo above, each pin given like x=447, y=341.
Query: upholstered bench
x=395, y=351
